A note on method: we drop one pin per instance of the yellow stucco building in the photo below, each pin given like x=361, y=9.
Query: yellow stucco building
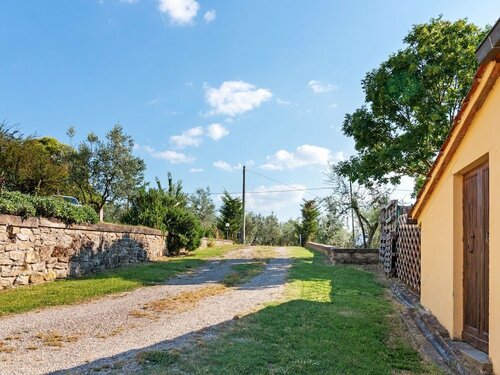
x=457, y=207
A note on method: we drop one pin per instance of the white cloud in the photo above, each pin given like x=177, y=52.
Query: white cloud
x=235, y=97
x=191, y=137
x=333, y=105
x=154, y=101
x=225, y=166
x=180, y=12
x=267, y=200
x=210, y=15
x=217, y=131
x=173, y=157
x=129, y=1
x=320, y=87
x=284, y=103
x=302, y=156
x=196, y=170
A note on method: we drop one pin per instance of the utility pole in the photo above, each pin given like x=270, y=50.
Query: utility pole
x=352, y=215
x=243, y=205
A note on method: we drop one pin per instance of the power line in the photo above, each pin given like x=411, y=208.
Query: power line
x=286, y=191
x=279, y=182
x=272, y=191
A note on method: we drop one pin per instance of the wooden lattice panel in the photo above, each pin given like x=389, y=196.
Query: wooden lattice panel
x=388, y=236
x=408, y=254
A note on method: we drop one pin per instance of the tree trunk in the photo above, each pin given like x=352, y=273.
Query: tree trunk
x=101, y=214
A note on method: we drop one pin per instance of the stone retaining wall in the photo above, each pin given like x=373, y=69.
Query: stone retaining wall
x=205, y=241
x=345, y=256
x=37, y=250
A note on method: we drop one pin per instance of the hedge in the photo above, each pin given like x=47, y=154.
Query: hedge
x=15, y=203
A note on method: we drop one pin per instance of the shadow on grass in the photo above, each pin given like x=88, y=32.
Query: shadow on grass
x=339, y=324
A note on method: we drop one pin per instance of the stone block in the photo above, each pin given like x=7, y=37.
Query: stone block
x=61, y=274
x=45, y=252
x=5, y=259
x=17, y=256
x=31, y=257
x=5, y=271
x=27, y=231
x=50, y=275
x=10, y=247
x=37, y=278
x=18, y=270
x=22, y=280
x=23, y=237
x=6, y=282
x=64, y=259
x=38, y=267
x=24, y=245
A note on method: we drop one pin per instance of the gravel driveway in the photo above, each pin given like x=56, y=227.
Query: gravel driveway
x=92, y=336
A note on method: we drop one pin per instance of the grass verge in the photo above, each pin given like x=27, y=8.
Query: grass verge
x=335, y=320
x=243, y=272
x=119, y=280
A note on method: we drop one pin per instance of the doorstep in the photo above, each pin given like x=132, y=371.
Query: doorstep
x=476, y=359
x=457, y=357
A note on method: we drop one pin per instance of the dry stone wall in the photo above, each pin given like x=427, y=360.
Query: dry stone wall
x=205, y=242
x=37, y=250
x=345, y=256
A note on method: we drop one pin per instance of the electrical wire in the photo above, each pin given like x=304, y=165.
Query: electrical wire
x=280, y=182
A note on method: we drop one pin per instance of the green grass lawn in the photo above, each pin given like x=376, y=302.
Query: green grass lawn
x=334, y=320
x=118, y=280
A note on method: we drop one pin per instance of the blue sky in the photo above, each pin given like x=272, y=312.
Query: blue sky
x=204, y=86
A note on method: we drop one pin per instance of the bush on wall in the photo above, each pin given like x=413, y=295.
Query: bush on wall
x=15, y=203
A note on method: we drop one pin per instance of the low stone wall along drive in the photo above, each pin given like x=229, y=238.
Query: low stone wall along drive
x=37, y=249
x=345, y=256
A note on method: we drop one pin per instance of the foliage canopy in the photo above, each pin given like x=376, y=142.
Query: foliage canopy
x=411, y=100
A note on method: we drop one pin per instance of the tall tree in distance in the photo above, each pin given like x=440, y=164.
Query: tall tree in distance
x=231, y=212
x=309, y=222
x=411, y=100
x=364, y=201
x=106, y=171
x=202, y=205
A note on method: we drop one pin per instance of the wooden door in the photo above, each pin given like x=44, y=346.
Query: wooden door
x=476, y=257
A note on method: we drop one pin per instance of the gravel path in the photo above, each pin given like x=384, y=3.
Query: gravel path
x=97, y=334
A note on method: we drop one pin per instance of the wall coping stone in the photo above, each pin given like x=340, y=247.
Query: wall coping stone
x=35, y=222
x=343, y=250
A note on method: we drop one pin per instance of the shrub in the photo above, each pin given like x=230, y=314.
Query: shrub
x=184, y=230
x=210, y=242
x=15, y=203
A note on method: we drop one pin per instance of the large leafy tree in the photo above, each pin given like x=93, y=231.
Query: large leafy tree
x=231, y=212
x=309, y=223
x=106, y=170
x=32, y=165
x=411, y=100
